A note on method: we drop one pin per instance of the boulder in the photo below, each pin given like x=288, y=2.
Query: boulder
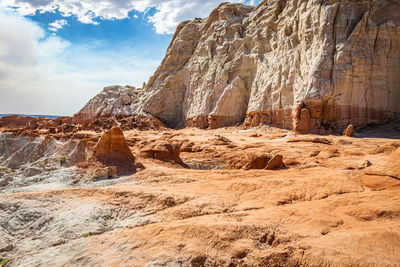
x=275, y=163
x=113, y=150
x=249, y=162
x=349, y=131
x=164, y=151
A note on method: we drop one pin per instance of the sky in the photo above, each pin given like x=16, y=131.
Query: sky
x=55, y=55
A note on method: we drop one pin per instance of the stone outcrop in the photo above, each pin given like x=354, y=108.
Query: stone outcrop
x=164, y=151
x=349, y=131
x=256, y=162
x=303, y=65
x=389, y=166
x=112, y=101
x=113, y=150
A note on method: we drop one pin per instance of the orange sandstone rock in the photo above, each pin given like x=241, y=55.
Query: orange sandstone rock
x=164, y=151
x=349, y=131
x=113, y=150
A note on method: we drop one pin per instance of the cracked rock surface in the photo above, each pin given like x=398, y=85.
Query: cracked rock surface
x=319, y=209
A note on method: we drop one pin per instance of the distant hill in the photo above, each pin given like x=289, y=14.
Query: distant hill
x=37, y=116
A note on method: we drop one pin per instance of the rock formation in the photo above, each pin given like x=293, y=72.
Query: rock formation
x=296, y=64
x=113, y=100
x=256, y=162
x=349, y=131
x=165, y=151
x=389, y=166
x=321, y=210
x=113, y=150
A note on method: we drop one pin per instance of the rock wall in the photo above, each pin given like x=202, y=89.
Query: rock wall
x=296, y=64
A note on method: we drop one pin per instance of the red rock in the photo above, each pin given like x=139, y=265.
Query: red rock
x=164, y=151
x=113, y=150
x=349, y=131
x=249, y=162
x=275, y=163
x=304, y=123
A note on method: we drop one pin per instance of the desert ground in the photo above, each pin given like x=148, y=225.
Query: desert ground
x=334, y=202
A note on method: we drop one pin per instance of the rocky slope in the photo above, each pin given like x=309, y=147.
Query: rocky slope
x=300, y=64
x=335, y=203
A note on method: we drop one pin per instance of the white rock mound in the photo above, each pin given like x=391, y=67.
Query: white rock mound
x=114, y=100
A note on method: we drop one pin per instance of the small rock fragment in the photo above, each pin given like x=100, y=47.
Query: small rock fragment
x=275, y=163
x=349, y=131
x=365, y=165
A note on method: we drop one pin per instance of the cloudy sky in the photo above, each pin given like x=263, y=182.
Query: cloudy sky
x=57, y=54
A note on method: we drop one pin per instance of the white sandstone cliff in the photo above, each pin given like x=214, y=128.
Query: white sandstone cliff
x=301, y=64
x=297, y=64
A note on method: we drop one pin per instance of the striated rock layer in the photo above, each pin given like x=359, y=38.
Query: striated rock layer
x=296, y=64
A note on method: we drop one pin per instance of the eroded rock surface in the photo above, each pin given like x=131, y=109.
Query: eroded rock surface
x=163, y=150
x=113, y=100
x=301, y=65
x=320, y=210
x=113, y=150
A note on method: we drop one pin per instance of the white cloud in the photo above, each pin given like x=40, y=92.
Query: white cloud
x=44, y=74
x=168, y=12
x=57, y=25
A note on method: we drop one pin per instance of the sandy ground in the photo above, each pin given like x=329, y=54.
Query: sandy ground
x=323, y=209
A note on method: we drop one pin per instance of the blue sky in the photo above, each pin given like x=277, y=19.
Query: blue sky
x=57, y=54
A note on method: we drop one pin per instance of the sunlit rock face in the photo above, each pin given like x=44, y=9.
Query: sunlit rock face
x=113, y=150
x=113, y=100
x=301, y=65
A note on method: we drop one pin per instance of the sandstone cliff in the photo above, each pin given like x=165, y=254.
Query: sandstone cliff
x=297, y=64
x=303, y=65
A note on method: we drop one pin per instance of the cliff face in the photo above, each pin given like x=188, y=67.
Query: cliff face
x=297, y=64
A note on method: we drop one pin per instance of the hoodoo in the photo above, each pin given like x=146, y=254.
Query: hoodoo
x=113, y=150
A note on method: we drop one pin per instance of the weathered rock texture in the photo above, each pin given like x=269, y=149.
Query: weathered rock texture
x=113, y=150
x=321, y=210
x=113, y=100
x=349, y=131
x=301, y=65
x=165, y=151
